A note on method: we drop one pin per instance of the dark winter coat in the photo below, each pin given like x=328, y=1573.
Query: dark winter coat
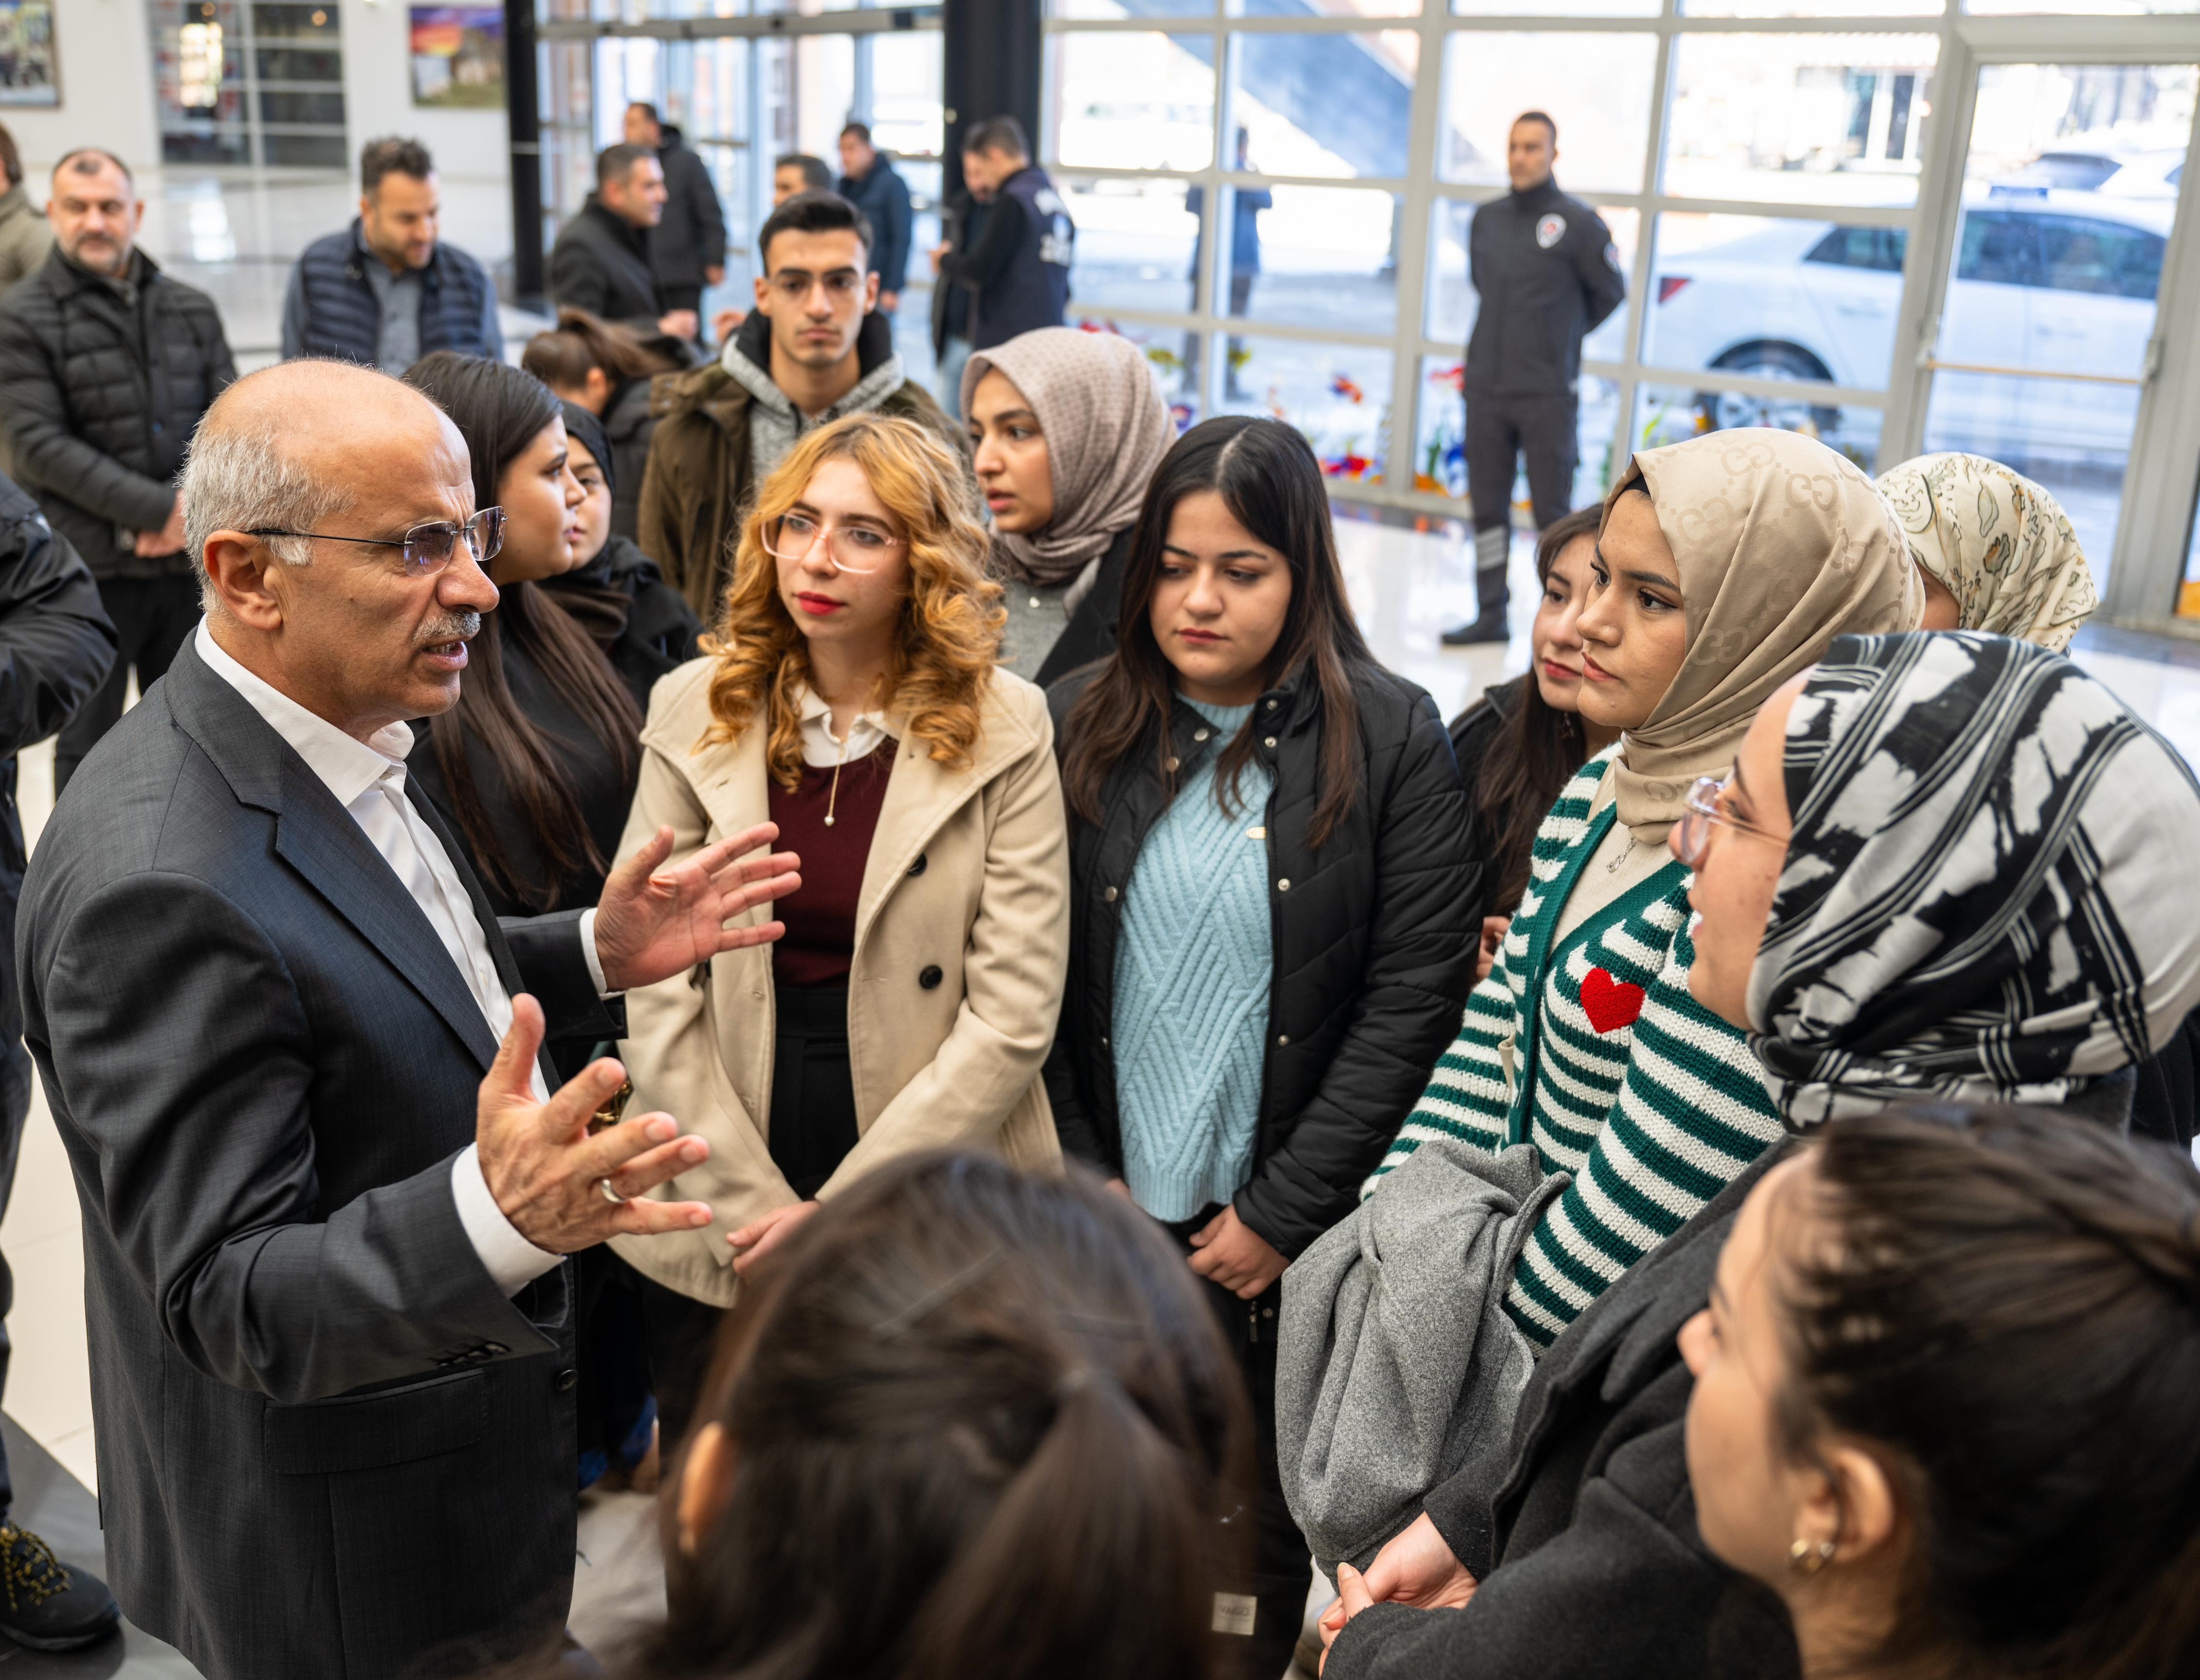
x=600, y=264
x=883, y=196
x=1587, y=1551
x=55, y=647
x=692, y=235
x=628, y=426
x=1019, y=266
x=1542, y=264
x=101, y=385
x=1374, y=937
x=660, y=630
x=1471, y=733
x=1090, y=633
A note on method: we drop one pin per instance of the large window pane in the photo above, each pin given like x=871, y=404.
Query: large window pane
x=907, y=111
x=1323, y=8
x=1131, y=100
x=1136, y=243
x=1106, y=10
x=1554, y=8
x=1337, y=394
x=1818, y=8
x=1336, y=105
x=1775, y=299
x=1673, y=413
x=1313, y=256
x=1451, y=298
x=2083, y=7
x=1440, y=451
x=1800, y=119
x=1595, y=87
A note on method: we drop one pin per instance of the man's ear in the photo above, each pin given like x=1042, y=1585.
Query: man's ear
x=870, y=291
x=706, y=1484
x=238, y=567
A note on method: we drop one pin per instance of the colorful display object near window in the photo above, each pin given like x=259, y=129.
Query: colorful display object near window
x=28, y=75
x=458, y=56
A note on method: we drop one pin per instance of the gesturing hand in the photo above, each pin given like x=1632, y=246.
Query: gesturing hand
x=1229, y=1252
x=653, y=923
x=543, y=1167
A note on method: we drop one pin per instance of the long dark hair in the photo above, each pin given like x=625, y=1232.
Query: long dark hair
x=982, y=1424
x=1535, y=751
x=2004, y=1306
x=1269, y=480
x=498, y=411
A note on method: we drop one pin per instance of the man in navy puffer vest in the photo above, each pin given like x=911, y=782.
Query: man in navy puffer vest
x=386, y=290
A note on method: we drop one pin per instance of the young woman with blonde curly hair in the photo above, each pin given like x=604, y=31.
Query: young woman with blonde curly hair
x=850, y=695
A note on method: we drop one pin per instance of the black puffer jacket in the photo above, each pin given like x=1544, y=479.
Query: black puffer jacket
x=1374, y=940
x=101, y=385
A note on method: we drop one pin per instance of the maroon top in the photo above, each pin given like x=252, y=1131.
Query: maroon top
x=819, y=946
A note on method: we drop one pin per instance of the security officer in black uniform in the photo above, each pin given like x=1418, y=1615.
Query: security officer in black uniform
x=1543, y=264
x=1018, y=271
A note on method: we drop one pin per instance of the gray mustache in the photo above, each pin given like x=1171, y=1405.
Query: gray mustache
x=449, y=628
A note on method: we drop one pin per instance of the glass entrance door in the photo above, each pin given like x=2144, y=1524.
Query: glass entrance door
x=2047, y=332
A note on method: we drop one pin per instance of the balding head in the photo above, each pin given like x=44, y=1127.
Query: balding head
x=348, y=460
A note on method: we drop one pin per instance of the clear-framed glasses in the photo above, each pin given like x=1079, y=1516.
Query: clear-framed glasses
x=427, y=548
x=854, y=548
x=794, y=283
x=1693, y=837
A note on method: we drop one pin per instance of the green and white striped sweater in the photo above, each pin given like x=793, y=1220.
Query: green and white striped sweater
x=1653, y=1103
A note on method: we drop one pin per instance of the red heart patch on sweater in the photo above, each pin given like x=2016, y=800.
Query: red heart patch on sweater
x=1610, y=1003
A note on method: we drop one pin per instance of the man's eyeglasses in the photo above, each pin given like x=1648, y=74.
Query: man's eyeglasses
x=794, y=284
x=1692, y=834
x=856, y=548
x=427, y=548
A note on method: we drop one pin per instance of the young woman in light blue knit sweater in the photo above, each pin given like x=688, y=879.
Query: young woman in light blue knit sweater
x=1273, y=909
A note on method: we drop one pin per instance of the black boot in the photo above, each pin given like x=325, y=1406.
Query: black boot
x=45, y=1604
x=1490, y=554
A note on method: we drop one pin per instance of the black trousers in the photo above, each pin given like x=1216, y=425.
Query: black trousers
x=813, y=1128
x=1282, y=1567
x=1500, y=429
x=152, y=616
x=15, y=1109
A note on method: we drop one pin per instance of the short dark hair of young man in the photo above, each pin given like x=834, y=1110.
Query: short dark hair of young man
x=400, y=205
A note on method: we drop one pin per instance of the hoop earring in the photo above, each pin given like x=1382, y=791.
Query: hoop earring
x=1807, y=1557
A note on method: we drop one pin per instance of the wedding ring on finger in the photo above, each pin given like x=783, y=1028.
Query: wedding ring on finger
x=609, y=1194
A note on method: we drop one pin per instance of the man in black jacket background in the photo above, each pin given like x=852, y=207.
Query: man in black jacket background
x=871, y=182
x=55, y=644
x=1018, y=269
x=687, y=246
x=108, y=364
x=601, y=261
x=1546, y=275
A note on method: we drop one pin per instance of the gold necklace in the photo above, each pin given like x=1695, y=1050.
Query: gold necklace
x=832, y=799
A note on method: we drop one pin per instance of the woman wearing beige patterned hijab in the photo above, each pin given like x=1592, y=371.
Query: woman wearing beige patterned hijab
x=1995, y=549
x=1067, y=427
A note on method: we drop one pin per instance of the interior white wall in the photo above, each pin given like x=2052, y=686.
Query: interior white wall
x=106, y=59
x=472, y=147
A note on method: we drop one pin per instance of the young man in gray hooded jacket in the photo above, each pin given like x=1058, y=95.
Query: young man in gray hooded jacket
x=813, y=351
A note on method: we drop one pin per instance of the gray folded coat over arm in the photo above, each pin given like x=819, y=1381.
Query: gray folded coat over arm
x=1397, y=1367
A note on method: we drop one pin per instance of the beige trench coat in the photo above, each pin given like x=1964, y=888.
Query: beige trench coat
x=954, y=1065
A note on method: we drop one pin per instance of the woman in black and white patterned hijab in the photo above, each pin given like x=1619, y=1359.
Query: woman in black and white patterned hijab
x=1947, y=864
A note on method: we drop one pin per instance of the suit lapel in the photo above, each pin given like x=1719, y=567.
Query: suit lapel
x=319, y=839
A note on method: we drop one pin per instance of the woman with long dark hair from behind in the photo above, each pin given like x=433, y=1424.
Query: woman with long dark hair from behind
x=1520, y=744
x=970, y=1422
x=606, y=369
x=1273, y=904
x=644, y=626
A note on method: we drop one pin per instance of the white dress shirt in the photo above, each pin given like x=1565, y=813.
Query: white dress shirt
x=368, y=781
x=821, y=748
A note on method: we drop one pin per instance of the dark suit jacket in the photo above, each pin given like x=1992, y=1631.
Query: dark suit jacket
x=328, y=1445
x=601, y=263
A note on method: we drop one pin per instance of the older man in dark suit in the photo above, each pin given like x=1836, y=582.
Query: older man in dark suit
x=324, y=1211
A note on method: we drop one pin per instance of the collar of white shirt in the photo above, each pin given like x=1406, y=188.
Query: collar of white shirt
x=346, y=765
x=820, y=749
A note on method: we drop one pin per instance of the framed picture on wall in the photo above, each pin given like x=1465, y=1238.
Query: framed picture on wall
x=458, y=56
x=28, y=75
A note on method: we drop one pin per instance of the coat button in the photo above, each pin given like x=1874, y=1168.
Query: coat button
x=1199, y=735
x=930, y=979
x=1103, y=1041
x=1269, y=743
x=1272, y=706
x=1282, y=1039
x=1284, y=885
x=564, y=1380
x=1110, y=896
x=917, y=868
x=1171, y=766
